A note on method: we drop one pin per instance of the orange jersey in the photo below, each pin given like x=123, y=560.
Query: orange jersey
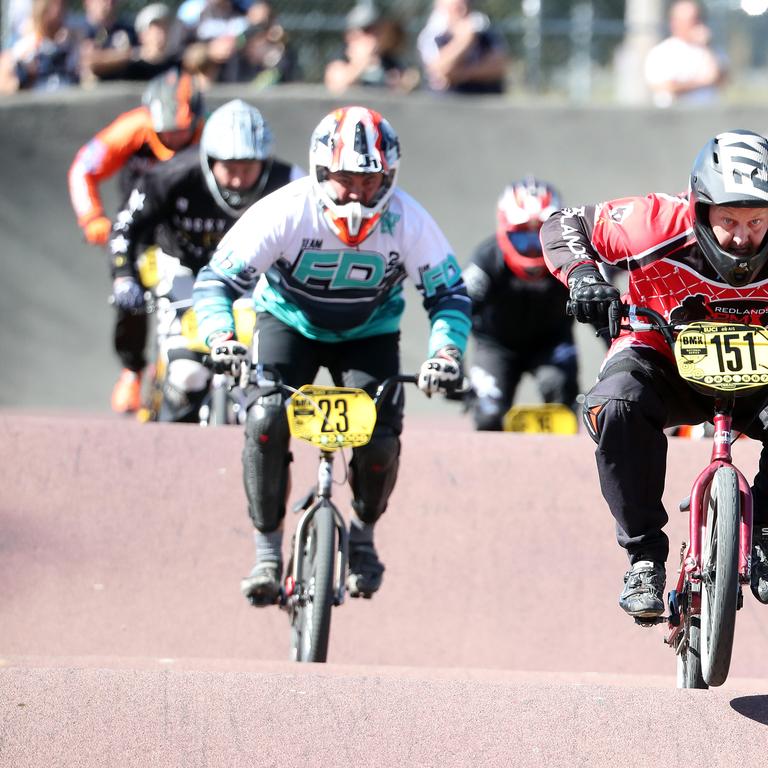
x=130, y=144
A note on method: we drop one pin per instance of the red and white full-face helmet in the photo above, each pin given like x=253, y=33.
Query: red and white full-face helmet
x=355, y=140
x=522, y=208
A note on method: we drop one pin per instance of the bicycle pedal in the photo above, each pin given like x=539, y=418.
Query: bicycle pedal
x=649, y=621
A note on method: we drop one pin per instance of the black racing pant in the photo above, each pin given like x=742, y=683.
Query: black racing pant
x=130, y=338
x=497, y=370
x=638, y=394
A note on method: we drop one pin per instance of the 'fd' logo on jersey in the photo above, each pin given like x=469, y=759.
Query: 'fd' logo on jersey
x=336, y=270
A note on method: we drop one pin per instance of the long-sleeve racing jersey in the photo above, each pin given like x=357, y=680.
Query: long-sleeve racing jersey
x=171, y=205
x=653, y=238
x=522, y=314
x=327, y=290
x=130, y=145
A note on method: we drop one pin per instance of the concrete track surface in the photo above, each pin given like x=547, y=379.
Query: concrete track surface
x=496, y=639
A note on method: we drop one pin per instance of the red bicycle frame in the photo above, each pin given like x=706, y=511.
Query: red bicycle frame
x=691, y=566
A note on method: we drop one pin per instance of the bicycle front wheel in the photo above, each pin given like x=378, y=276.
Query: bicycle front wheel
x=719, y=576
x=311, y=620
x=219, y=415
x=689, y=657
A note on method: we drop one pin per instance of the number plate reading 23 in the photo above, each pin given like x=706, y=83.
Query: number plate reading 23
x=331, y=417
x=723, y=357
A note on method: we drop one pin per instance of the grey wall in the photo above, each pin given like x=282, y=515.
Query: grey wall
x=55, y=324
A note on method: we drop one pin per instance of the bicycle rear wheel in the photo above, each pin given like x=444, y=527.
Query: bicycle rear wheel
x=311, y=619
x=720, y=581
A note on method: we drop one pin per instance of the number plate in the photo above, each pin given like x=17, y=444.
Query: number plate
x=245, y=320
x=723, y=357
x=331, y=417
x=189, y=331
x=549, y=418
x=149, y=273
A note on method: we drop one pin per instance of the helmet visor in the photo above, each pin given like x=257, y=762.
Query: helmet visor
x=525, y=242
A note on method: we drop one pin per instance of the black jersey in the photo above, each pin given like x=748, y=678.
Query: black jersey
x=172, y=206
x=520, y=314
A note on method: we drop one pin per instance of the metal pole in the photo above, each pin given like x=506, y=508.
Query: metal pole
x=580, y=80
x=532, y=43
x=644, y=20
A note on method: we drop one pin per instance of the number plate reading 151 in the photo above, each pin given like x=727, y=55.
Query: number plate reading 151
x=723, y=357
x=331, y=417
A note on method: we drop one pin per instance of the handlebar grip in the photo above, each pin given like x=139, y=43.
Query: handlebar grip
x=616, y=311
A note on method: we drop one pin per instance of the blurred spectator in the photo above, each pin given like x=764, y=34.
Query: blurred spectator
x=212, y=19
x=149, y=58
x=262, y=56
x=371, y=56
x=103, y=28
x=216, y=23
x=683, y=68
x=460, y=50
x=19, y=14
x=46, y=56
x=196, y=60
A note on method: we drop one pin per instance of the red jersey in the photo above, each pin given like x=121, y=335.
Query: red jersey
x=652, y=237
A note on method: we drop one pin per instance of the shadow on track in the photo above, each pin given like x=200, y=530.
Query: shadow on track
x=753, y=707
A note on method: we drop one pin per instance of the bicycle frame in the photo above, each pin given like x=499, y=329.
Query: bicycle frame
x=686, y=599
x=692, y=565
x=323, y=496
x=322, y=493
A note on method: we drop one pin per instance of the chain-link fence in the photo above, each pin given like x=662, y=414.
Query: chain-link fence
x=570, y=49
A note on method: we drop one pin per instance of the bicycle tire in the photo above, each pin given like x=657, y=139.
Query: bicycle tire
x=689, y=659
x=720, y=581
x=312, y=615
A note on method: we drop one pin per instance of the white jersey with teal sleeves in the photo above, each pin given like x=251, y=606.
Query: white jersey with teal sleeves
x=325, y=289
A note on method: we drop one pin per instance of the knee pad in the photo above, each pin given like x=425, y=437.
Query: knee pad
x=590, y=413
x=187, y=375
x=179, y=405
x=373, y=472
x=265, y=461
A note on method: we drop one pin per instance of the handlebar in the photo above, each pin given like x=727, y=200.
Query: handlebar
x=617, y=311
x=259, y=373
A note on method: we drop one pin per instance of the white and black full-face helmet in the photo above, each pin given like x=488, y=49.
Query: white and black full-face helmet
x=235, y=131
x=731, y=170
x=355, y=140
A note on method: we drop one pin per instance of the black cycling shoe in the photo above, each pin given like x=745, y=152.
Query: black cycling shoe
x=366, y=571
x=643, y=593
x=759, y=581
x=262, y=586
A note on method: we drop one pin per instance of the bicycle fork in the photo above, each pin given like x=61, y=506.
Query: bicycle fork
x=686, y=597
x=321, y=496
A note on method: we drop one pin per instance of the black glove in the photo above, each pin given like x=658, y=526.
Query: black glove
x=591, y=295
x=127, y=294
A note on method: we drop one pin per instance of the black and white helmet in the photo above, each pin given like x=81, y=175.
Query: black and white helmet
x=235, y=131
x=731, y=170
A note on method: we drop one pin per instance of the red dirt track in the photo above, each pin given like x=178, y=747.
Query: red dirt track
x=496, y=638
